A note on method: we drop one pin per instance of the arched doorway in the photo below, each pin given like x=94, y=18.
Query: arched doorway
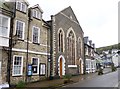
x=61, y=66
x=81, y=66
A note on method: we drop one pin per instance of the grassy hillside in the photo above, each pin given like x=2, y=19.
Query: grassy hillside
x=115, y=46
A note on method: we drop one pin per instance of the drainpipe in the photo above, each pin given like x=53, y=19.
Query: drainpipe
x=84, y=69
x=51, y=46
x=10, y=45
x=27, y=54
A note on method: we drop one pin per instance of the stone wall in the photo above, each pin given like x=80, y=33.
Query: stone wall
x=63, y=20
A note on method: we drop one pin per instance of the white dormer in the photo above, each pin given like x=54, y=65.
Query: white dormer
x=37, y=11
x=22, y=5
x=36, y=14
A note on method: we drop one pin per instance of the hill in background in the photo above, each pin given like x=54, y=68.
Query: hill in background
x=105, y=48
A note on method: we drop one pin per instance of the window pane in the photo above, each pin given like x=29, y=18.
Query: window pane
x=38, y=15
x=35, y=61
x=17, y=65
x=23, y=7
x=17, y=69
x=18, y=5
x=35, y=35
x=3, y=26
x=35, y=65
x=34, y=13
x=19, y=29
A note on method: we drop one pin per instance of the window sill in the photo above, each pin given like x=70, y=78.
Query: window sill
x=21, y=11
x=37, y=18
x=20, y=39
x=17, y=75
x=36, y=43
x=35, y=74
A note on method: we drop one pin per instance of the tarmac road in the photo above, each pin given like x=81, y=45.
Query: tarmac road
x=106, y=80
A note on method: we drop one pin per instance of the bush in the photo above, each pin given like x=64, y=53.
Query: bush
x=113, y=68
x=100, y=71
x=67, y=81
x=50, y=77
x=21, y=84
x=67, y=78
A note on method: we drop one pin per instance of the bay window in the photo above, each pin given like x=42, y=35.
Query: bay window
x=4, y=25
x=4, y=30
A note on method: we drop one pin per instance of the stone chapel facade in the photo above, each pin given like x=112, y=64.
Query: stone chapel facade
x=67, y=44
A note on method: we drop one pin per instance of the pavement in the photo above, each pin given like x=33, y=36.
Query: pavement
x=109, y=80
x=59, y=82
x=107, y=70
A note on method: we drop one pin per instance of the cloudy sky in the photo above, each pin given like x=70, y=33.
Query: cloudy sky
x=98, y=18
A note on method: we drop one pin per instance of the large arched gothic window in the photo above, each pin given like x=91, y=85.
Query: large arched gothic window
x=60, y=41
x=71, y=47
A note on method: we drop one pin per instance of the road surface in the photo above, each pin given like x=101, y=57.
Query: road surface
x=106, y=80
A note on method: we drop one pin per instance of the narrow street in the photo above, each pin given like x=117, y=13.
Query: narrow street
x=106, y=80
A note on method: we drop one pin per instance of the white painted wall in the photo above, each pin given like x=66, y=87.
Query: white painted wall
x=115, y=59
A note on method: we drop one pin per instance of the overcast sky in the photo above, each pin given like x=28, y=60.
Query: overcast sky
x=98, y=18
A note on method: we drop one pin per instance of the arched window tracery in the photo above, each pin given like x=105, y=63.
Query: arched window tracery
x=71, y=47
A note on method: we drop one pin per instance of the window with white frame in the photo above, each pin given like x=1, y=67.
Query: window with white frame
x=87, y=64
x=36, y=14
x=4, y=26
x=17, y=65
x=20, y=26
x=35, y=34
x=35, y=66
x=21, y=6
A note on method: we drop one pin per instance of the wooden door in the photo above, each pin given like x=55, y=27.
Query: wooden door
x=60, y=67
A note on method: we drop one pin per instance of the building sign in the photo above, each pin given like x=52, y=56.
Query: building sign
x=42, y=69
x=29, y=69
